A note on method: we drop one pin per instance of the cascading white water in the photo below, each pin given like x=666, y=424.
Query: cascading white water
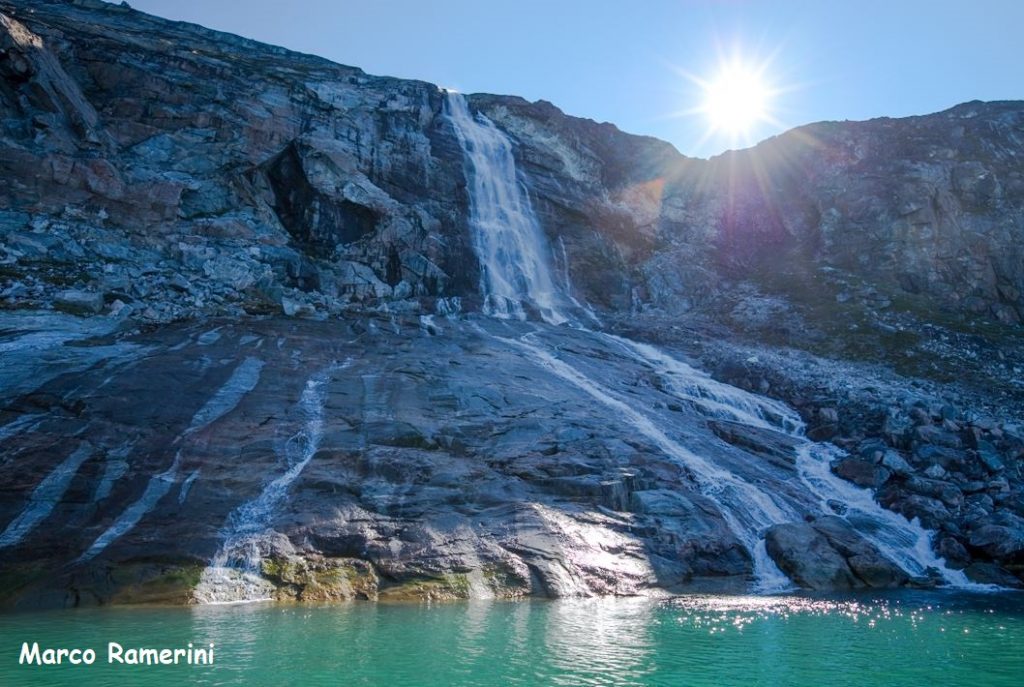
x=515, y=269
x=709, y=396
x=902, y=541
x=507, y=239
x=235, y=572
x=746, y=508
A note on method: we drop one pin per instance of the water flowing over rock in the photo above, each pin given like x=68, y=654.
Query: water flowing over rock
x=234, y=573
x=507, y=239
x=272, y=327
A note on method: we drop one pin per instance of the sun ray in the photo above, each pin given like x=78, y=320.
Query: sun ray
x=737, y=95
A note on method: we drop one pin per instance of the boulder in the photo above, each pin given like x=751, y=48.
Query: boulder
x=296, y=308
x=807, y=557
x=894, y=462
x=989, y=456
x=861, y=472
x=79, y=302
x=953, y=552
x=1000, y=542
x=990, y=573
x=865, y=561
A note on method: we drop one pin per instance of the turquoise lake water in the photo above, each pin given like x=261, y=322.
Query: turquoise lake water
x=910, y=639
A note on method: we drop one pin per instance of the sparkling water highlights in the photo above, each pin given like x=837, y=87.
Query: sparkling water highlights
x=899, y=640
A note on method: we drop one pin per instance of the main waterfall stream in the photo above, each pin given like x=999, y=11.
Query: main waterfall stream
x=513, y=254
x=506, y=236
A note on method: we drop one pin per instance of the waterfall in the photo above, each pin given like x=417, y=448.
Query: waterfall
x=902, y=541
x=507, y=239
x=235, y=572
x=514, y=263
x=711, y=397
x=747, y=509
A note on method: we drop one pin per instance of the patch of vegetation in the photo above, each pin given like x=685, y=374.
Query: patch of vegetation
x=446, y=587
x=321, y=579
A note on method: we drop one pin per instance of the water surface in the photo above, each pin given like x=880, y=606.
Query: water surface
x=910, y=639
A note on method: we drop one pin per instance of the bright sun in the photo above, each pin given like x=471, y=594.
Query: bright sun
x=736, y=99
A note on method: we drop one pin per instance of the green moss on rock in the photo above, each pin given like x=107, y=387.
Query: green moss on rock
x=148, y=583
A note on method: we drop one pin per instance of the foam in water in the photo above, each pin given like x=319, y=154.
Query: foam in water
x=45, y=497
x=506, y=236
x=234, y=574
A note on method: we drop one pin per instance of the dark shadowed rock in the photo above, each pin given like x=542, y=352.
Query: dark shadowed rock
x=774, y=446
x=861, y=472
x=829, y=554
x=1001, y=542
x=864, y=560
x=990, y=573
x=79, y=302
x=806, y=556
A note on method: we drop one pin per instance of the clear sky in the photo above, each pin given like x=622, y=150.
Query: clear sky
x=640, y=64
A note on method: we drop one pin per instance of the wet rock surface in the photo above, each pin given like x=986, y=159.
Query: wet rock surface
x=424, y=481
x=194, y=225
x=828, y=554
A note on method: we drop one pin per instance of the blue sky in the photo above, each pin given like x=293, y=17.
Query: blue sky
x=626, y=62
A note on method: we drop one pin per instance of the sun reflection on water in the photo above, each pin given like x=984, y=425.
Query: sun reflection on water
x=896, y=640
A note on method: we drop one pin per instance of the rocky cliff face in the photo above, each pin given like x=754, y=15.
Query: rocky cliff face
x=170, y=139
x=170, y=195
x=249, y=175
x=925, y=206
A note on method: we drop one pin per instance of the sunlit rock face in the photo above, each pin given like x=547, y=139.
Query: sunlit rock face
x=178, y=208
